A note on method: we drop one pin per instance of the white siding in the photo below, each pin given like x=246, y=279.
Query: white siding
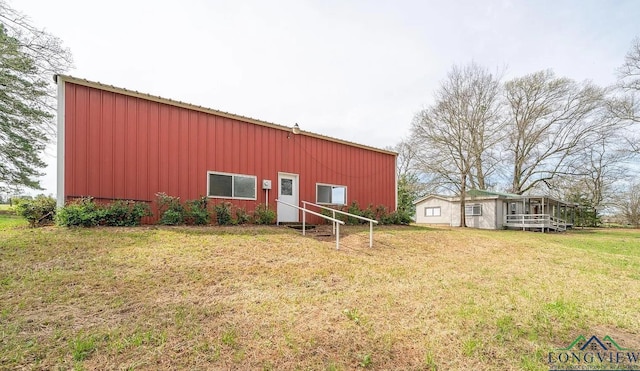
x=445, y=211
x=491, y=214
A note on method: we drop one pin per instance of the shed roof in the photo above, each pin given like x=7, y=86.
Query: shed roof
x=477, y=194
x=480, y=192
x=441, y=197
x=158, y=99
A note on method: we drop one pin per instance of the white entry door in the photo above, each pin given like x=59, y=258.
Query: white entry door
x=288, y=192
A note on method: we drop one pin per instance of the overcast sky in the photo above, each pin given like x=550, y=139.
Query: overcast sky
x=355, y=70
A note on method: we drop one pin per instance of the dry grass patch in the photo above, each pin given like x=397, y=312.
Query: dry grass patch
x=266, y=298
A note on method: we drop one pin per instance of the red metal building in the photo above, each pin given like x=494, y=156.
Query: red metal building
x=115, y=143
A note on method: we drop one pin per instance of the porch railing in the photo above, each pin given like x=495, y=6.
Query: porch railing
x=335, y=221
x=334, y=211
x=536, y=221
x=560, y=224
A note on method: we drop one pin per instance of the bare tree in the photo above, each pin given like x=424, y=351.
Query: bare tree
x=629, y=72
x=406, y=160
x=628, y=204
x=406, y=176
x=549, y=118
x=409, y=170
x=626, y=106
x=454, y=135
x=603, y=168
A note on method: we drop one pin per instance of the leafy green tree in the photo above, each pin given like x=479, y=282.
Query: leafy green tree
x=28, y=58
x=406, y=195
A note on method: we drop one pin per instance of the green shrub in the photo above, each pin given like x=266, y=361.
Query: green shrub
x=368, y=213
x=82, y=212
x=123, y=213
x=404, y=217
x=354, y=209
x=264, y=215
x=197, y=212
x=242, y=217
x=85, y=212
x=170, y=210
x=114, y=214
x=378, y=213
x=139, y=210
x=381, y=214
x=396, y=217
x=223, y=213
x=38, y=211
x=172, y=217
x=328, y=213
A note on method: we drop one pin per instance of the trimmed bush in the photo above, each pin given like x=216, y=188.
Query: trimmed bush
x=369, y=213
x=79, y=213
x=197, y=211
x=242, y=217
x=378, y=213
x=396, y=217
x=38, y=211
x=170, y=209
x=354, y=209
x=124, y=213
x=85, y=212
x=264, y=215
x=223, y=213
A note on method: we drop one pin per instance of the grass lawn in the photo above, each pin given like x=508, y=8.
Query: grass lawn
x=267, y=298
x=6, y=209
x=10, y=220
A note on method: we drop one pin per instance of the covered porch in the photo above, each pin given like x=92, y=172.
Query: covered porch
x=539, y=213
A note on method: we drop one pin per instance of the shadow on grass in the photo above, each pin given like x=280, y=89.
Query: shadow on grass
x=215, y=230
x=144, y=232
x=252, y=229
x=324, y=231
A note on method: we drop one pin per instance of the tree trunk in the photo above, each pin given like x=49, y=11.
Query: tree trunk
x=463, y=197
x=481, y=183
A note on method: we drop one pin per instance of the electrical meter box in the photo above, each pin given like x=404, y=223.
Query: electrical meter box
x=266, y=184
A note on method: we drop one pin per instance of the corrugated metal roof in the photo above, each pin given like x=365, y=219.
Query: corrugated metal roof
x=133, y=93
x=442, y=197
x=477, y=194
x=480, y=192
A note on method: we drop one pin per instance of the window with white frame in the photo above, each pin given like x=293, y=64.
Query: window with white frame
x=473, y=210
x=224, y=185
x=432, y=211
x=331, y=194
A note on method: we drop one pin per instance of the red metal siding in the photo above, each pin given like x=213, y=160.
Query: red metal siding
x=124, y=147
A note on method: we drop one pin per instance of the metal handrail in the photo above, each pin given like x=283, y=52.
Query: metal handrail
x=334, y=211
x=304, y=211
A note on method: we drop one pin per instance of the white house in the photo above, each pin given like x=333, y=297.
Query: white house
x=495, y=210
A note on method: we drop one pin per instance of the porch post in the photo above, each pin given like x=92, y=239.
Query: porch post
x=542, y=212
